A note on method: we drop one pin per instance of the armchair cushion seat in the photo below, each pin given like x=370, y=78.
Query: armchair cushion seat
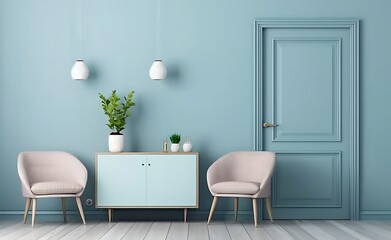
x=235, y=187
x=46, y=188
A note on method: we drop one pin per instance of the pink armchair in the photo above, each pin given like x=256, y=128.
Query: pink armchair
x=242, y=175
x=48, y=175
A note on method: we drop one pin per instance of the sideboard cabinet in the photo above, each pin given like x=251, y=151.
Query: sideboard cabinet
x=146, y=180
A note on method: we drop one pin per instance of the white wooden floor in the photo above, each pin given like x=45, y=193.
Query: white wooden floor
x=281, y=230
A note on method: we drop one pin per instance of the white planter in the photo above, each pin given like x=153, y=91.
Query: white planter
x=187, y=146
x=116, y=143
x=174, y=147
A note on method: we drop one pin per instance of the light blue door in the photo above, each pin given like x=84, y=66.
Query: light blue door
x=172, y=180
x=121, y=180
x=305, y=104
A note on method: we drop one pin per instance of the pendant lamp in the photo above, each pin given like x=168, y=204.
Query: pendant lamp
x=158, y=70
x=80, y=69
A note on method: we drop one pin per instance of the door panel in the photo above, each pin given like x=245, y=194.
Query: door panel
x=121, y=181
x=315, y=64
x=305, y=76
x=317, y=185
x=172, y=180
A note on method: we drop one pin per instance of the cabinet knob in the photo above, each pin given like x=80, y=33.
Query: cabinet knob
x=149, y=164
x=142, y=164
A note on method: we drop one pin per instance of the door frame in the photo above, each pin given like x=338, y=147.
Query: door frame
x=353, y=26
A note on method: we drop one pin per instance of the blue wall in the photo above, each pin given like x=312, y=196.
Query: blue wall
x=208, y=49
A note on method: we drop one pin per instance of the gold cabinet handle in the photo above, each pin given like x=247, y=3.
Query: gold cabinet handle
x=266, y=125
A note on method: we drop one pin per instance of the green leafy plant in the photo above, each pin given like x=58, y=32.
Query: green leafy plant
x=175, y=138
x=116, y=110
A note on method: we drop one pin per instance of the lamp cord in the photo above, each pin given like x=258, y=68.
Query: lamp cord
x=158, y=31
x=79, y=30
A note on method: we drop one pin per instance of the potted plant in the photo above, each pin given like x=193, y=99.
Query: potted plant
x=175, y=139
x=117, y=112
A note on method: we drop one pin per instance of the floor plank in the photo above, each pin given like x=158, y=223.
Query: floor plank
x=60, y=231
x=276, y=232
x=218, y=231
x=39, y=232
x=98, y=231
x=159, y=230
x=198, y=230
x=237, y=231
x=368, y=230
x=349, y=230
x=118, y=231
x=10, y=228
x=178, y=231
x=256, y=233
x=138, y=231
x=315, y=231
x=20, y=231
x=5, y=224
x=79, y=231
x=333, y=231
x=295, y=231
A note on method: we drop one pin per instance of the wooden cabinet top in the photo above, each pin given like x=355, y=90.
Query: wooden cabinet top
x=148, y=153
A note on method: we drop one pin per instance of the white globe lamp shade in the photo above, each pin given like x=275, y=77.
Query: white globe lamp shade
x=80, y=70
x=158, y=71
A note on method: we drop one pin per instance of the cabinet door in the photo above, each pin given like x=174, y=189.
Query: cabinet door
x=172, y=180
x=121, y=180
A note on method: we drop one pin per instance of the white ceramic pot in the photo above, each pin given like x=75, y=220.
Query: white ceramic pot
x=174, y=147
x=187, y=146
x=80, y=70
x=116, y=143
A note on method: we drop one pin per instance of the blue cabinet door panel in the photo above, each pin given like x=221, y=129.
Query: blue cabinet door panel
x=172, y=180
x=121, y=180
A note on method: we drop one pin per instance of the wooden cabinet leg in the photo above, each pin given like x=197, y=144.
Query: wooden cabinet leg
x=110, y=213
x=185, y=214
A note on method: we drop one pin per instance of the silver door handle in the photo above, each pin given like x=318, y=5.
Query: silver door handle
x=266, y=125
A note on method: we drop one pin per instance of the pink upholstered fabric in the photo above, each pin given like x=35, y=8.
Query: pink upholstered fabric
x=48, y=172
x=232, y=187
x=236, y=168
x=45, y=188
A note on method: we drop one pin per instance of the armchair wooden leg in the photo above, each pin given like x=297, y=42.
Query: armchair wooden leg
x=64, y=208
x=212, y=209
x=255, y=209
x=26, y=209
x=269, y=208
x=80, y=207
x=236, y=209
x=33, y=212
